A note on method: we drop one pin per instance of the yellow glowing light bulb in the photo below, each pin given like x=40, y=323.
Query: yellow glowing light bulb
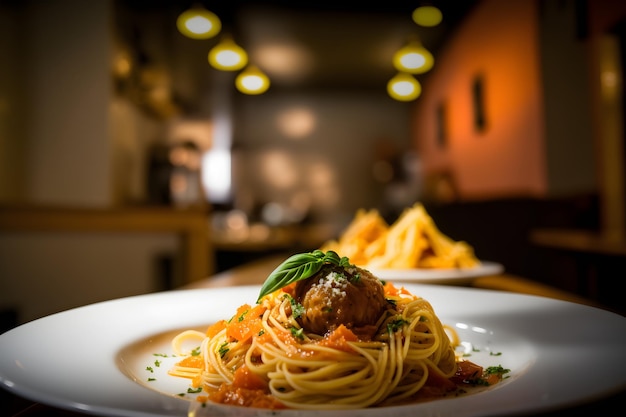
x=198, y=23
x=427, y=16
x=252, y=81
x=228, y=56
x=404, y=87
x=413, y=58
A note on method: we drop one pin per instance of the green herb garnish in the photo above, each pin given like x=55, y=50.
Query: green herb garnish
x=297, y=309
x=298, y=267
x=223, y=350
x=243, y=316
x=496, y=370
x=396, y=325
x=297, y=333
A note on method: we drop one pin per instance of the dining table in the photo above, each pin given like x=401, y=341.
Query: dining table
x=255, y=272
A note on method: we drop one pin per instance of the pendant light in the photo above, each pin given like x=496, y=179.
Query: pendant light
x=413, y=58
x=198, y=23
x=252, y=81
x=404, y=87
x=427, y=16
x=227, y=55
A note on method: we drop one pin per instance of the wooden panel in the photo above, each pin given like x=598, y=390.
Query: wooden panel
x=191, y=224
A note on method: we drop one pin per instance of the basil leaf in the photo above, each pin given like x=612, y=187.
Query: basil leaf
x=298, y=267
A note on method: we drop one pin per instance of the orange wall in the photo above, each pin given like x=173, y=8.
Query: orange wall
x=498, y=41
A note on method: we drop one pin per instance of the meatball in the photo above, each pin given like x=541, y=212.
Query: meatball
x=336, y=295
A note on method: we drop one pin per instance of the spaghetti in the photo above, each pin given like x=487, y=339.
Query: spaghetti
x=380, y=344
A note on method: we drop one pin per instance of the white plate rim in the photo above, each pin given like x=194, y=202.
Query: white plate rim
x=548, y=326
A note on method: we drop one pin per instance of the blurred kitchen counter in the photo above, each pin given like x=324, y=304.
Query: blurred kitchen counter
x=262, y=237
x=191, y=224
x=610, y=243
x=597, y=258
x=247, y=243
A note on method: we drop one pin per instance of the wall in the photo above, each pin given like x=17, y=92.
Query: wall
x=606, y=48
x=12, y=135
x=548, y=132
x=330, y=165
x=567, y=98
x=65, y=140
x=43, y=273
x=68, y=88
x=499, y=43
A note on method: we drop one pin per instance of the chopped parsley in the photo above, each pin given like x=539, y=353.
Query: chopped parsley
x=478, y=382
x=297, y=309
x=223, y=350
x=297, y=333
x=149, y=369
x=196, y=351
x=483, y=380
x=496, y=370
x=396, y=325
x=339, y=277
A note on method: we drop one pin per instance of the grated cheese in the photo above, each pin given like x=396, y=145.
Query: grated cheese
x=334, y=283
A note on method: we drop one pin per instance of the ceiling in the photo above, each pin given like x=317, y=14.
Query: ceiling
x=318, y=44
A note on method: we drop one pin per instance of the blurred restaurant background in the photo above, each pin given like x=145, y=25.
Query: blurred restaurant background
x=129, y=164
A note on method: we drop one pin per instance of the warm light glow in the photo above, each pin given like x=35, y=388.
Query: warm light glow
x=122, y=64
x=296, y=123
x=291, y=61
x=252, y=81
x=279, y=169
x=427, y=16
x=413, y=58
x=198, y=23
x=404, y=87
x=198, y=131
x=216, y=167
x=228, y=56
x=323, y=182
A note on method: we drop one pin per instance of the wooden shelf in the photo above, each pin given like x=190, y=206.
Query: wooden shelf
x=601, y=243
x=191, y=224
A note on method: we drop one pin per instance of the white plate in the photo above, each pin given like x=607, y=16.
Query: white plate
x=95, y=358
x=439, y=275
